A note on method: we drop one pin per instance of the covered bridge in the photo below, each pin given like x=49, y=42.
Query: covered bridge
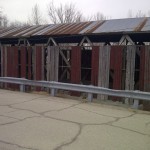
x=109, y=53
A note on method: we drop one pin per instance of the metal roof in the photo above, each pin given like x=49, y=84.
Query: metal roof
x=120, y=25
x=92, y=27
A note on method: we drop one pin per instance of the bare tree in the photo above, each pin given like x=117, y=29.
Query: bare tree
x=18, y=24
x=36, y=17
x=99, y=16
x=66, y=13
x=140, y=14
x=3, y=19
x=130, y=13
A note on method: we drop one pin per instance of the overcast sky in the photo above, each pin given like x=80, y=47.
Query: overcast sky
x=21, y=9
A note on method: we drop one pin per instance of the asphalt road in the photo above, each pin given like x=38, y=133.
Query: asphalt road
x=41, y=122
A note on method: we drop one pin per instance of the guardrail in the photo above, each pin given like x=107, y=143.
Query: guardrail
x=90, y=90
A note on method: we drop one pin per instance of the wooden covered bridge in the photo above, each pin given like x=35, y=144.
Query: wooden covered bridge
x=110, y=53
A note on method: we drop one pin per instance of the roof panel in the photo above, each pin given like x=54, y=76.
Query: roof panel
x=147, y=25
x=36, y=29
x=45, y=30
x=92, y=27
x=30, y=28
x=119, y=25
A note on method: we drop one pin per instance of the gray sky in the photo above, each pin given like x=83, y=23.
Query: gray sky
x=21, y=9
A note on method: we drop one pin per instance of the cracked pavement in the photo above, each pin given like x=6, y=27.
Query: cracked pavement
x=41, y=122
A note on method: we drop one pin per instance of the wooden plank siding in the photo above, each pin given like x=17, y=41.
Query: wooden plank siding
x=104, y=66
x=130, y=70
x=95, y=65
x=76, y=67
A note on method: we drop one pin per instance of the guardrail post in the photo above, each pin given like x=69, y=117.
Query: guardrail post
x=136, y=104
x=53, y=92
x=90, y=97
x=22, y=88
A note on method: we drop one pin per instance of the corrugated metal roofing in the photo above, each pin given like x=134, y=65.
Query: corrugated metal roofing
x=93, y=27
x=120, y=25
x=147, y=25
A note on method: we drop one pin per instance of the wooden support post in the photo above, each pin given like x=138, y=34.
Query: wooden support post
x=52, y=63
x=104, y=65
x=142, y=68
x=48, y=63
x=38, y=66
x=130, y=70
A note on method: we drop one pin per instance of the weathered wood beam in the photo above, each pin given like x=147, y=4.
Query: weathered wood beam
x=130, y=70
x=104, y=65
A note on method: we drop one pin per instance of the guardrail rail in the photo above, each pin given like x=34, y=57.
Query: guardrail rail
x=89, y=89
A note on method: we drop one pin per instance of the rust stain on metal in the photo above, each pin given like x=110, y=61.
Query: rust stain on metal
x=80, y=28
x=95, y=27
x=141, y=25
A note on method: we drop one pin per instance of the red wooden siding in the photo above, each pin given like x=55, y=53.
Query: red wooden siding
x=9, y=64
x=95, y=65
x=76, y=66
x=29, y=62
x=15, y=61
x=116, y=65
x=23, y=62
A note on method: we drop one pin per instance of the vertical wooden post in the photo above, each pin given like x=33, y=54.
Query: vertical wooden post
x=52, y=63
x=76, y=67
x=95, y=65
x=56, y=64
x=142, y=68
x=130, y=69
x=48, y=63
x=104, y=65
x=38, y=62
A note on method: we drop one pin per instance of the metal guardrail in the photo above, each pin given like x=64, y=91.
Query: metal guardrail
x=136, y=95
